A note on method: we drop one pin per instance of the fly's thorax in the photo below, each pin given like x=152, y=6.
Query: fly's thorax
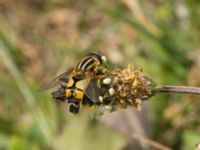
x=87, y=63
x=91, y=62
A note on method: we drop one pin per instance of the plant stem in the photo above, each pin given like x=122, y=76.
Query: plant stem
x=30, y=100
x=178, y=89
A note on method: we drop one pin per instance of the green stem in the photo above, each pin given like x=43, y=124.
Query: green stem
x=26, y=92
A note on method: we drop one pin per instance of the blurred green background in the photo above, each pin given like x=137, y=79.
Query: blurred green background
x=40, y=39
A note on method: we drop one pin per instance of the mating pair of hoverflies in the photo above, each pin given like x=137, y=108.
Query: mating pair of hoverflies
x=88, y=83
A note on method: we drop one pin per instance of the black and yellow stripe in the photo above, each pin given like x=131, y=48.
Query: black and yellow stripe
x=90, y=62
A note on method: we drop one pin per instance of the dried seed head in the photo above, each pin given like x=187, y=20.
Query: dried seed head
x=131, y=87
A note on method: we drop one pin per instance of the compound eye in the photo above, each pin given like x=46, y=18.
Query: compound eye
x=68, y=92
x=78, y=94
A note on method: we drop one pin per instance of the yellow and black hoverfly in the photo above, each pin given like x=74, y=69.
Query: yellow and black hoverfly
x=80, y=85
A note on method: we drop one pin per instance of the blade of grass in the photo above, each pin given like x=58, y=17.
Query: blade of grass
x=26, y=92
x=152, y=143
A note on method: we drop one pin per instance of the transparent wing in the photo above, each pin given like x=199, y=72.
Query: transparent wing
x=92, y=91
x=63, y=78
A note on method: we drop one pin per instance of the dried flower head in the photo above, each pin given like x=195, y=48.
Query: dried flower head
x=131, y=87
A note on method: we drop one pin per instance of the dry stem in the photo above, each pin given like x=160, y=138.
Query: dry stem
x=178, y=89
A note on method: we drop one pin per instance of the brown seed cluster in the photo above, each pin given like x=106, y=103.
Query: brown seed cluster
x=131, y=87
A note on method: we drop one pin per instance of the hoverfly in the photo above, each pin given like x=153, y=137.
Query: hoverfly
x=81, y=85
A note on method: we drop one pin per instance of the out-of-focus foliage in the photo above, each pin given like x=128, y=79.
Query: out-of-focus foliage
x=42, y=38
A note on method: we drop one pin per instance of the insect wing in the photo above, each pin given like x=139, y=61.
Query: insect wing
x=92, y=91
x=63, y=78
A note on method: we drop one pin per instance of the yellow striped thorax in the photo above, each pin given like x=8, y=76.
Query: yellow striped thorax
x=91, y=62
